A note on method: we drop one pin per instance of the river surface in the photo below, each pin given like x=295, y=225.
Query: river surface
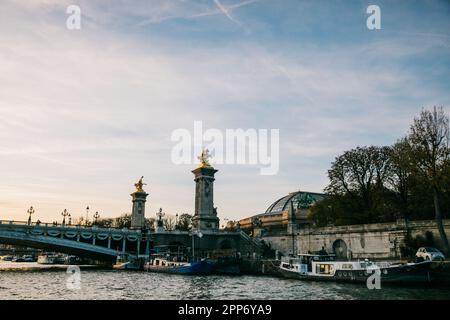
x=40, y=283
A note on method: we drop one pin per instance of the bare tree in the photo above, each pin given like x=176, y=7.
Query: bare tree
x=169, y=223
x=429, y=137
x=401, y=169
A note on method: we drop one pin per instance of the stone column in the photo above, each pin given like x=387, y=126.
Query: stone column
x=138, y=210
x=205, y=217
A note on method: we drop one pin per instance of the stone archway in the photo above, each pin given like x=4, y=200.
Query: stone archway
x=340, y=249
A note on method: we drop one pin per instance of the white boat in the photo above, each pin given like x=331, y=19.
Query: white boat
x=128, y=263
x=50, y=259
x=325, y=267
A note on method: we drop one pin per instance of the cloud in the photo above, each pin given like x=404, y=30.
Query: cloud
x=84, y=114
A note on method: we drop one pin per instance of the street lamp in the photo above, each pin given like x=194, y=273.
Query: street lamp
x=96, y=216
x=65, y=213
x=198, y=234
x=176, y=221
x=87, y=215
x=70, y=219
x=30, y=212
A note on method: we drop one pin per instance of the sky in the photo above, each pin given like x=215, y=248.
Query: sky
x=85, y=113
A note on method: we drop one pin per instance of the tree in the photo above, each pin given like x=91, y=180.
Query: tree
x=231, y=225
x=150, y=223
x=124, y=221
x=401, y=171
x=79, y=221
x=360, y=174
x=169, y=223
x=429, y=138
x=105, y=223
x=184, y=222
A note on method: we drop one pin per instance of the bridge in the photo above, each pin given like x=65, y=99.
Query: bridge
x=107, y=243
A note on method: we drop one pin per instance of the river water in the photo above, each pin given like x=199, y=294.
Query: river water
x=19, y=283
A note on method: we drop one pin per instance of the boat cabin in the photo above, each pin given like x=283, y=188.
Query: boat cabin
x=310, y=263
x=160, y=262
x=325, y=265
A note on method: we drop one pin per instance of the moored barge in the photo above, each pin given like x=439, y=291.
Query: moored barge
x=326, y=268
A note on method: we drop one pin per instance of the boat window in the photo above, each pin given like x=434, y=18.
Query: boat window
x=324, y=268
x=347, y=266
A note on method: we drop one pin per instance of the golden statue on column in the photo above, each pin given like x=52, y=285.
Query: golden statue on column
x=139, y=185
x=204, y=163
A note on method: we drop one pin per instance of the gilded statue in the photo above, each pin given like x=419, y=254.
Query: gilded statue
x=139, y=185
x=204, y=159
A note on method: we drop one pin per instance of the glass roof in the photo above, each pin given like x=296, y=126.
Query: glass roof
x=300, y=199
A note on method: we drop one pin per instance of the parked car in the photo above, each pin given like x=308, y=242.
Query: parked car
x=429, y=253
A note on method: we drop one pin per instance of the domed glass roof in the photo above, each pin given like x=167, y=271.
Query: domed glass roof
x=300, y=199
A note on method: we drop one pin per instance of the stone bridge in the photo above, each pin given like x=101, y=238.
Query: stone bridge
x=107, y=243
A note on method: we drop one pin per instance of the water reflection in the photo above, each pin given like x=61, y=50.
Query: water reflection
x=109, y=284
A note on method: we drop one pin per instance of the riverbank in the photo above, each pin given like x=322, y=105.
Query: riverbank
x=34, y=266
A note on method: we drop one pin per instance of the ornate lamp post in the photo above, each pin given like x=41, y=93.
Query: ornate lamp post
x=96, y=216
x=65, y=213
x=176, y=221
x=87, y=215
x=30, y=212
x=70, y=219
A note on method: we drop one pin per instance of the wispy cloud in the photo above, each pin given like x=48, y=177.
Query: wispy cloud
x=85, y=113
x=226, y=12
x=196, y=11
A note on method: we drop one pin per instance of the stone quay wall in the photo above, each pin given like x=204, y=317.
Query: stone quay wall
x=373, y=241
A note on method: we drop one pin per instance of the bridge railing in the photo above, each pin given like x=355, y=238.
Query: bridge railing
x=64, y=226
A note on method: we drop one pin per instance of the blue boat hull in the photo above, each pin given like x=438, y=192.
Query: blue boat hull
x=194, y=268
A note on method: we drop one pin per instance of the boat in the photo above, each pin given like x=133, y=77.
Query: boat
x=175, y=259
x=72, y=260
x=28, y=258
x=128, y=263
x=326, y=268
x=18, y=259
x=158, y=264
x=7, y=258
x=50, y=258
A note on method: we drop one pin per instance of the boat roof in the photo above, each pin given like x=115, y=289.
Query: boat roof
x=315, y=255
